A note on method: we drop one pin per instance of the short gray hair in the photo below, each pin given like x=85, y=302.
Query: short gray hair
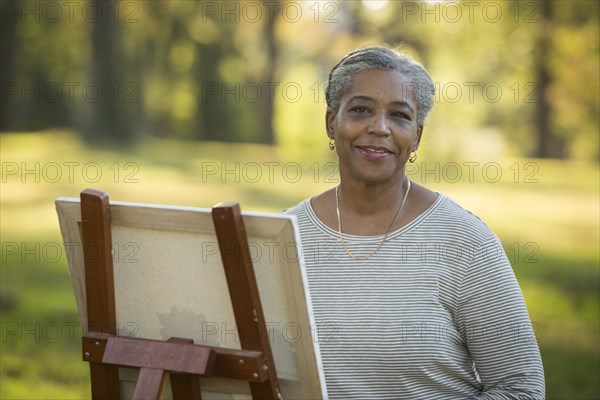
x=380, y=57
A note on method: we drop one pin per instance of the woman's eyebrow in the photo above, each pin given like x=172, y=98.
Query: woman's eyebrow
x=399, y=103
x=360, y=97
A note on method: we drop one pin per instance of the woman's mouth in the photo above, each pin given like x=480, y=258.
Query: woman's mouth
x=374, y=152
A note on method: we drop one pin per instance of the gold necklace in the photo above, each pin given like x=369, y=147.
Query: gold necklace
x=337, y=207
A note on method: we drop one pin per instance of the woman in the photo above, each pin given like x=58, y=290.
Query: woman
x=413, y=296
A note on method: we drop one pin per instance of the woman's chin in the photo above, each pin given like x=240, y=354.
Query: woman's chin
x=376, y=178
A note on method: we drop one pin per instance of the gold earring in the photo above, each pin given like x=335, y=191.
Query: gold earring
x=413, y=157
x=331, y=144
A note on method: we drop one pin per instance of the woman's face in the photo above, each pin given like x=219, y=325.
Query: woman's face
x=375, y=128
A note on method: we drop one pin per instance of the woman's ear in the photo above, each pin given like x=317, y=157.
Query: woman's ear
x=329, y=118
x=417, y=141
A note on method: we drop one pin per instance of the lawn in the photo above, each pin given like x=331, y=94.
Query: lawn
x=545, y=211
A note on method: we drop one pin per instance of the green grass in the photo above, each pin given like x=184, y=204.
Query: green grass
x=549, y=229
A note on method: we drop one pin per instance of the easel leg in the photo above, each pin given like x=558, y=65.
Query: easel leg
x=243, y=290
x=184, y=386
x=149, y=384
x=103, y=378
x=99, y=285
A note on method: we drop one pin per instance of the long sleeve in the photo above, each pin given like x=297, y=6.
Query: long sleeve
x=494, y=322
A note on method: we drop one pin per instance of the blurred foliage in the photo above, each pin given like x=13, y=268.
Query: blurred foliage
x=517, y=77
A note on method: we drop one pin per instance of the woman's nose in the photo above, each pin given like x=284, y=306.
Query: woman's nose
x=379, y=125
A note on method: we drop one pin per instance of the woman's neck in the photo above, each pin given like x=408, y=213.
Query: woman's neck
x=364, y=199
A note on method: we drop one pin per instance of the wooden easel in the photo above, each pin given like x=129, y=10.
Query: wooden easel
x=183, y=360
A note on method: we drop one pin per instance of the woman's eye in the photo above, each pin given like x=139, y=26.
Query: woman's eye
x=402, y=115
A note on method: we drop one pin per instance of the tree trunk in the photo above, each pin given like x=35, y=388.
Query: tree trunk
x=266, y=104
x=543, y=128
x=110, y=96
x=213, y=120
x=8, y=44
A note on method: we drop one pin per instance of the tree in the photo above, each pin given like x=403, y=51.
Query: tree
x=266, y=103
x=108, y=117
x=544, y=135
x=8, y=45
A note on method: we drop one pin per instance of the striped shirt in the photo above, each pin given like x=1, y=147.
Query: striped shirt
x=436, y=313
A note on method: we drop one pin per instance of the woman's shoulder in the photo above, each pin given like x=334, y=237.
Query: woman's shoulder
x=452, y=216
x=300, y=209
x=315, y=207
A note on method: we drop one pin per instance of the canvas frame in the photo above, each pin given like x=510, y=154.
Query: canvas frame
x=169, y=283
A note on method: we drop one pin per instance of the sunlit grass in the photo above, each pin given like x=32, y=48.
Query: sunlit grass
x=549, y=229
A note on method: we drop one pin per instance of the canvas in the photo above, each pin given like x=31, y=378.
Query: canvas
x=170, y=282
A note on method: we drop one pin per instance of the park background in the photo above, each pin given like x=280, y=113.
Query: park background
x=192, y=103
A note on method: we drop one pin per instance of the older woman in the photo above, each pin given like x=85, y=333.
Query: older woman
x=413, y=295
